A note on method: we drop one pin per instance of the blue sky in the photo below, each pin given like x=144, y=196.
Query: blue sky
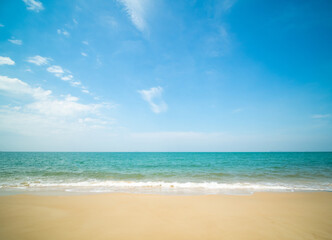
x=157, y=75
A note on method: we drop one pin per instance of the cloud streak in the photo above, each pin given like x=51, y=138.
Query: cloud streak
x=34, y=5
x=39, y=60
x=66, y=75
x=136, y=10
x=59, y=72
x=56, y=70
x=15, y=41
x=153, y=97
x=228, y=4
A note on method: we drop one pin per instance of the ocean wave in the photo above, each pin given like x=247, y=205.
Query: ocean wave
x=97, y=186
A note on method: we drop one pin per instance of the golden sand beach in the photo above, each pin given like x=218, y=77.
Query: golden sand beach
x=138, y=216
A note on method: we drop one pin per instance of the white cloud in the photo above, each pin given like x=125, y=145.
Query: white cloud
x=92, y=120
x=136, y=10
x=14, y=86
x=84, y=54
x=152, y=96
x=320, y=116
x=67, y=78
x=75, y=84
x=34, y=116
x=62, y=74
x=85, y=91
x=57, y=70
x=65, y=107
x=1, y=25
x=15, y=41
x=42, y=100
x=71, y=98
x=39, y=60
x=63, y=32
x=85, y=42
x=6, y=61
x=31, y=130
x=34, y=5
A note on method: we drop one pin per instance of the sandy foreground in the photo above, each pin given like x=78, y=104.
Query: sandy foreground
x=139, y=216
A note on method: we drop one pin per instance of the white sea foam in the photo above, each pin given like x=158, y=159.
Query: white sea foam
x=166, y=187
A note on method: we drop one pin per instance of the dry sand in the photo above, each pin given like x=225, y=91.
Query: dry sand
x=137, y=216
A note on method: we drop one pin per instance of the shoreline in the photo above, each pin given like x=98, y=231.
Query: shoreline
x=156, y=193
x=159, y=187
x=267, y=215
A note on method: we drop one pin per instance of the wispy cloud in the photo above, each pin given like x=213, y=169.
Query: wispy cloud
x=153, y=96
x=59, y=72
x=34, y=5
x=84, y=54
x=98, y=61
x=6, y=61
x=63, y=32
x=218, y=44
x=85, y=42
x=67, y=77
x=228, y=4
x=39, y=60
x=136, y=10
x=75, y=83
x=15, y=41
x=320, y=116
x=56, y=70
x=1, y=25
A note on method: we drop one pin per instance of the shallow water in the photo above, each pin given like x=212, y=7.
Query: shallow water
x=165, y=173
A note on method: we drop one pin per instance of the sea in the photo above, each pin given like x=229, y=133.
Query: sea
x=164, y=172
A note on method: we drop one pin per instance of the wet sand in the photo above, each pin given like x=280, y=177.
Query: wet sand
x=138, y=216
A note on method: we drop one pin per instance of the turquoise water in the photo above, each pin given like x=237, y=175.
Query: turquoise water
x=169, y=173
